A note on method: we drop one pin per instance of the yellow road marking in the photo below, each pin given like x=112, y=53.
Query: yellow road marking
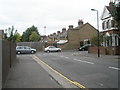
x=73, y=82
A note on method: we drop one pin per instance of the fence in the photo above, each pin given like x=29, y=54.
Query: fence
x=0, y=64
x=7, y=58
x=37, y=45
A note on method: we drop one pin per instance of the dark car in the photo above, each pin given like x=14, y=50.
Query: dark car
x=85, y=47
x=25, y=49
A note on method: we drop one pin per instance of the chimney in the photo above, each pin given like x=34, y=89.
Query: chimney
x=111, y=3
x=54, y=33
x=58, y=32
x=70, y=26
x=63, y=29
x=80, y=22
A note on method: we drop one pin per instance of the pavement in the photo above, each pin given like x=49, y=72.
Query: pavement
x=27, y=73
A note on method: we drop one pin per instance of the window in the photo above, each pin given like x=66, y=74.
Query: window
x=109, y=24
x=26, y=47
x=115, y=40
x=18, y=47
x=103, y=25
x=81, y=43
x=112, y=23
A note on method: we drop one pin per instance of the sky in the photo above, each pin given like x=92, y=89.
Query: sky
x=52, y=14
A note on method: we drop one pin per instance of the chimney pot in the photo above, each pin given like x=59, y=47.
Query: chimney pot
x=70, y=26
x=80, y=22
x=58, y=32
x=63, y=29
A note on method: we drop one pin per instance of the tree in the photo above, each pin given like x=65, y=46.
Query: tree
x=94, y=39
x=12, y=35
x=116, y=13
x=9, y=34
x=17, y=37
x=34, y=37
x=28, y=32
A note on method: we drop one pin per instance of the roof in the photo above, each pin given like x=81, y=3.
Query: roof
x=81, y=26
x=62, y=41
x=107, y=11
x=110, y=8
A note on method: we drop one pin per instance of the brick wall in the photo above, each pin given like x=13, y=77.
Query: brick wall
x=73, y=38
x=87, y=32
x=105, y=50
x=113, y=50
x=95, y=50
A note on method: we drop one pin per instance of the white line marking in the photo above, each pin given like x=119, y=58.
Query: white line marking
x=61, y=56
x=66, y=57
x=83, y=61
x=114, y=68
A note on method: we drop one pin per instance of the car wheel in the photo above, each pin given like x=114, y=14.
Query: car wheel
x=83, y=49
x=59, y=50
x=18, y=52
x=47, y=51
x=32, y=52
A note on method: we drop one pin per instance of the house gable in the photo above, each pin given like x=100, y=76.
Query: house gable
x=87, y=32
x=105, y=14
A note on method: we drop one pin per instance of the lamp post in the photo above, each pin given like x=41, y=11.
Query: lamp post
x=44, y=37
x=98, y=30
x=44, y=30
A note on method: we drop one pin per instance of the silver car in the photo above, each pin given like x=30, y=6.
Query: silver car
x=52, y=49
x=25, y=49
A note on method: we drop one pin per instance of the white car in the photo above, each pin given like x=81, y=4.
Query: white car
x=52, y=49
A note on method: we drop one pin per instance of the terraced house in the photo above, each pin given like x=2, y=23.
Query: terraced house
x=74, y=38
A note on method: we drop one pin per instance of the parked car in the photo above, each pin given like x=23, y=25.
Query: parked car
x=25, y=49
x=52, y=49
x=85, y=47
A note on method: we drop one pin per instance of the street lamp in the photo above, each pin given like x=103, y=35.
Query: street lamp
x=44, y=38
x=98, y=31
x=44, y=30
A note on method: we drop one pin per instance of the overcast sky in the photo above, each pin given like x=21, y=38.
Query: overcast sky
x=54, y=14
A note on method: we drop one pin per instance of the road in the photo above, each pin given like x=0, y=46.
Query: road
x=91, y=72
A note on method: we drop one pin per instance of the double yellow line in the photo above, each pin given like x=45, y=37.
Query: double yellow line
x=73, y=82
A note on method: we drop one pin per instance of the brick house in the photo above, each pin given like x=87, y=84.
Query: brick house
x=73, y=38
x=80, y=35
x=109, y=28
x=57, y=38
x=111, y=39
x=62, y=35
